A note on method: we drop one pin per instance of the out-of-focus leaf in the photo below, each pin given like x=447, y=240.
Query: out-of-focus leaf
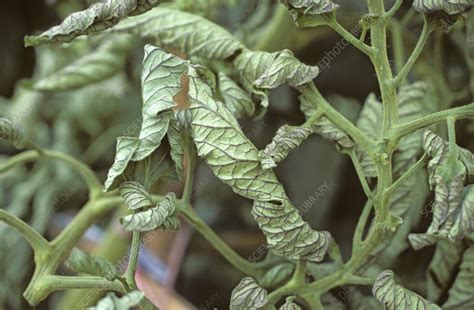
x=112, y=302
x=442, y=268
x=290, y=304
x=161, y=216
x=12, y=132
x=176, y=141
x=461, y=294
x=235, y=98
x=135, y=195
x=82, y=262
x=196, y=36
x=449, y=6
x=248, y=295
x=235, y=161
x=108, y=59
x=98, y=17
x=394, y=296
x=286, y=139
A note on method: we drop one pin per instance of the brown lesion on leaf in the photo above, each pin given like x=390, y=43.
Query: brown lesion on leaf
x=181, y=98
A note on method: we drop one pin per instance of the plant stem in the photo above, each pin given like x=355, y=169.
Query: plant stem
x=425, y=33
x=92, y=182
x=397, y=44
x=55, y=283
x=356, y=42
x=466, y=111
x=361, y=224
x=190, y=161
x=408, y=174
x=451, y=123
x=396, y=6
x=133, y=261
x=232, y=257
x=360, y=173
x=36, y=241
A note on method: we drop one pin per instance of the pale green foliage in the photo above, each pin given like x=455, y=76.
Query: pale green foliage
x=82, y=262
x=460, y=294
x=12, y=132
x=277, y=274
x=448, y=6
x=103, y=62
x=197, y=36
x=394, y=296
x=248, y=295
x=112, y=302
x=161, y=216
x=99, y=16
x=312, y=7
x=135, y=195
x=236, y=99
x=290, y=304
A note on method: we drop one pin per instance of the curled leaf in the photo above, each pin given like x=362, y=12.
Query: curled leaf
x=290, y=304
x=394, y=296
x=286, y=139
x=112, y=302
x=235, y=98
x=312, y=7
x=450, y=7
x=235, y=161
x=176, y=141
x=196, y=36
x=12, y=132
x=98, y=17
x=461, y=294
x=125, y=148
x=82, y=262
x=135, y=195
x=108, y=59
x=153, y=218
x=277, y=274
x=248, y=295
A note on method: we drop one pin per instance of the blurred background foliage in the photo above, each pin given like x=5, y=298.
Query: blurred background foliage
x=85, y=122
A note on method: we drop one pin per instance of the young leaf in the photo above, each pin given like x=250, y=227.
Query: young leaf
x=153, y=218
x=196, y=36
x=248, y=295
x=107, y=60
x=290, y=304
x=82, y=262
x=235, y=98
x=98, y=17
x=461, y=294
x=448, y=6
x=394, y=296
x=112, y=302
x=235, y=161
x=286, y=139
x=125, y=148
x=12, y=132
x=135, y=195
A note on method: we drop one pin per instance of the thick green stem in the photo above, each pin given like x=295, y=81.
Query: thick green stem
x=133, y=260
x=356, y=42
x=361, y=224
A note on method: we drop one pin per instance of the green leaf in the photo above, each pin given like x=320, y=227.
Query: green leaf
x=125, y=148
x=196, y=36
x=270, y=70
x=277, y=274
x=112, y=302
x=448, y=6
x=286, y=139
x=12, y=132
x=313, y=7
x=461, y=294
x=176, y=141
x=160, y=216
x=290, y=304
x=161, y=81
x=98, y=17
x=394, y=296
x=453, y=210
x=107, y=60
x=235, y=161
x=135, y=195
x=442, y=268
x=82, y=262
x=235, y=98
x=248, y=295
